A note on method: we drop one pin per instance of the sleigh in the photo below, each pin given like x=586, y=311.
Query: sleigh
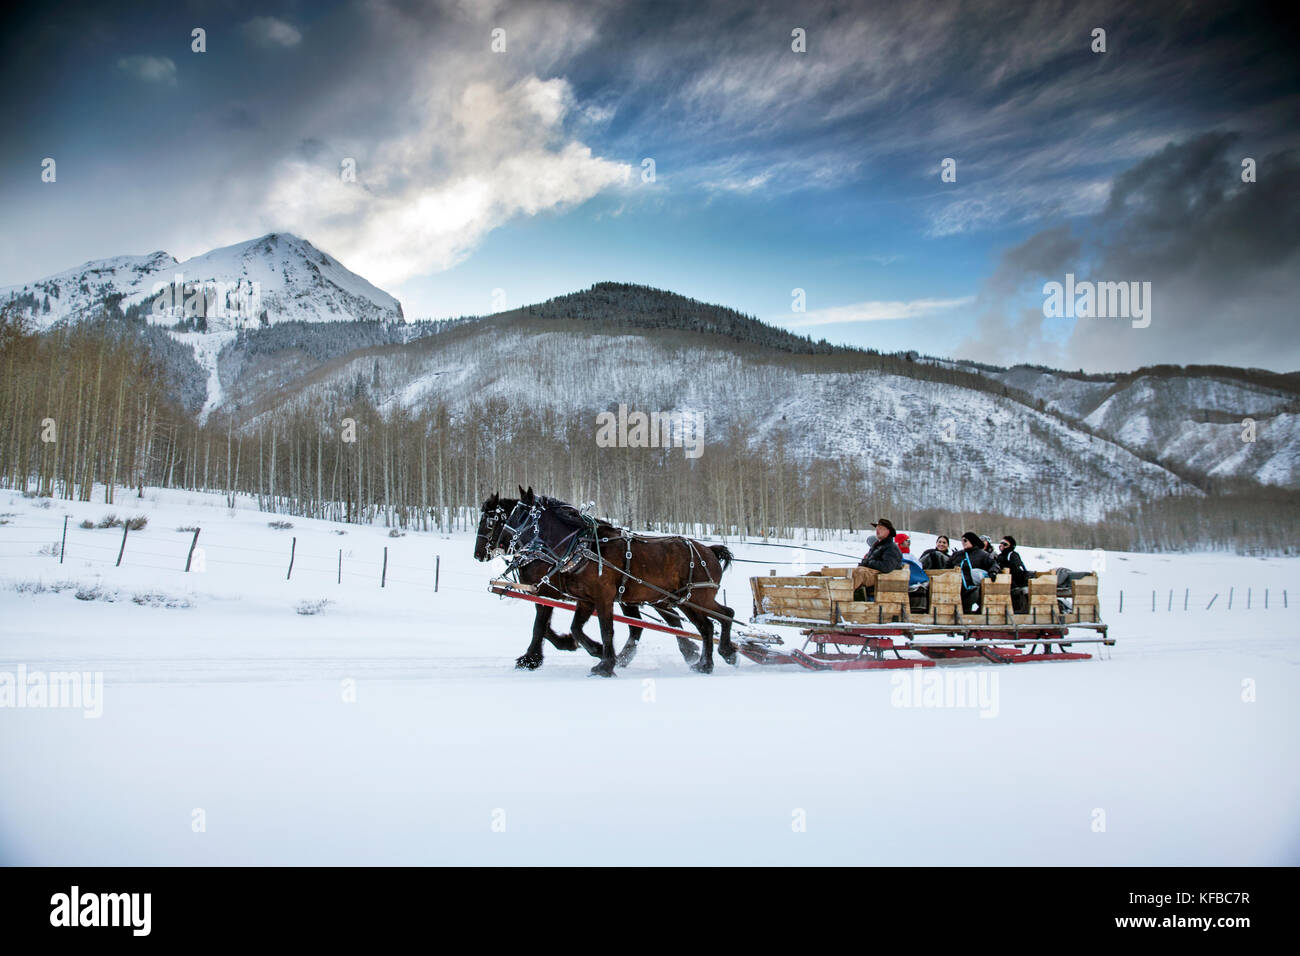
x=843, y=631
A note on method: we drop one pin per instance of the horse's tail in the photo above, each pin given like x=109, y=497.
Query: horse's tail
x=723, y=553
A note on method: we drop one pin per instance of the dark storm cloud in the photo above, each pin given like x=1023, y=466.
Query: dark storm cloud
x=1222, y=257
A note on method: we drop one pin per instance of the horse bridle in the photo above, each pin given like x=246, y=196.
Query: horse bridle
x=497, y=519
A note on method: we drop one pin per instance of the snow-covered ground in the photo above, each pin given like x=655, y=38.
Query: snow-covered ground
x=391, y=727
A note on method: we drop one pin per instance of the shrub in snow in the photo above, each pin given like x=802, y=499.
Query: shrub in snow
x=50, y=549
x=138, y=522
x=280, y=525
x=340, y=532
x=88, y=523
x=109, y=521
x=43, y=503
x=95, y=593
x=394, y=533
x=187, y=527
x=308, y=608
x=40, y=587
x=158, y=599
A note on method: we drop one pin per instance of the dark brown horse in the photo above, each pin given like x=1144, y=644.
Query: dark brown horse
x=600, y=564
x=490, y=542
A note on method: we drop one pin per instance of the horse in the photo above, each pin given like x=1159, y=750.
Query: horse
x=488, y=544
x=602, y=564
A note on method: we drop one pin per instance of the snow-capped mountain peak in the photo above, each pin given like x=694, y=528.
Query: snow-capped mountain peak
x=275, y=278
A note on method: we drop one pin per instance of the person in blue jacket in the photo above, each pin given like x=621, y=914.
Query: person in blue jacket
x=918, y=575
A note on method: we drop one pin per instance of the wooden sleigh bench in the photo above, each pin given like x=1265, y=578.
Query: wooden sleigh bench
x=827, y=597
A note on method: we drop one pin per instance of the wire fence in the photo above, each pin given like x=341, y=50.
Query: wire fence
x=75, y=544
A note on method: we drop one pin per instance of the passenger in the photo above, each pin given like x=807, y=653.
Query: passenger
x=1009, y=559
x=976, y=564
x=882, y=558
x=937, y=558
x=918, y=575
x=918, y=582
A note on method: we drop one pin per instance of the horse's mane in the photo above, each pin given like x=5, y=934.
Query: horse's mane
x=569, y=516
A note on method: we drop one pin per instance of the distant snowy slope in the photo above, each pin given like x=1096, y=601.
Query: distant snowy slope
x=934, y=444
x=82, y=290
x=296, y=281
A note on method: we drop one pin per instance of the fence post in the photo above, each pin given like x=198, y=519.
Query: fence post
x=1171, y=600
x=64, y=543
x=1212, y=600
x=1284, y=599
x=1247, y=599
x=293, y=548
x=1230, y=590
x=1187, y=593
x=190, y=557
x=340, y=580
x=1153, y=601
x=437, y=570
x=383, y=575
x=126, y=526
x=1121, y=601
x=1265, y=599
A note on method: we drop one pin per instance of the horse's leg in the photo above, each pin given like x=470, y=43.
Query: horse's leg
x=532, y=658
x=605, y=614
x=584, y=611
x=633, y=636
x=704, y=624
x=725, y=647
x=684, y=644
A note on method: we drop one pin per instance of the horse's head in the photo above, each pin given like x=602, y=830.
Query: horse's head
x=488, y=542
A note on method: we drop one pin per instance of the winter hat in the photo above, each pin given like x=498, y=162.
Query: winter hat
x=1010, y=540
x=974, y=540
x=902, y=540
x=888, y=524
x=986, y=542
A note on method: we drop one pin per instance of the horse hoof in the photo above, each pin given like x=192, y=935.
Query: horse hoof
x=527, y=663
x=702, y=667
x=602, y=670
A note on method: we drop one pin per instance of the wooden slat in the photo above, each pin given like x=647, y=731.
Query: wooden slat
x=786, y=592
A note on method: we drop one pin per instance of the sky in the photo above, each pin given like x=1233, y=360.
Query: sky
x=786, y=160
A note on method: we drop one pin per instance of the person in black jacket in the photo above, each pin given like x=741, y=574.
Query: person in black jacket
x=937, y=558
x=975, y=564
x=882, y=558
x=1009, y=558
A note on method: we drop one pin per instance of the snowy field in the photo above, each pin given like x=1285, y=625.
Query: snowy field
x=391, y=727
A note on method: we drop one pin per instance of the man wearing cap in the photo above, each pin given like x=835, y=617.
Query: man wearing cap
x=882, y=558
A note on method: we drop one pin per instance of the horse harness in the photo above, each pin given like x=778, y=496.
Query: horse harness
x=584, y=545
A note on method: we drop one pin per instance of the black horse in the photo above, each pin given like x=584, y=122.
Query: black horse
x=600, y=564
x=490, y=542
